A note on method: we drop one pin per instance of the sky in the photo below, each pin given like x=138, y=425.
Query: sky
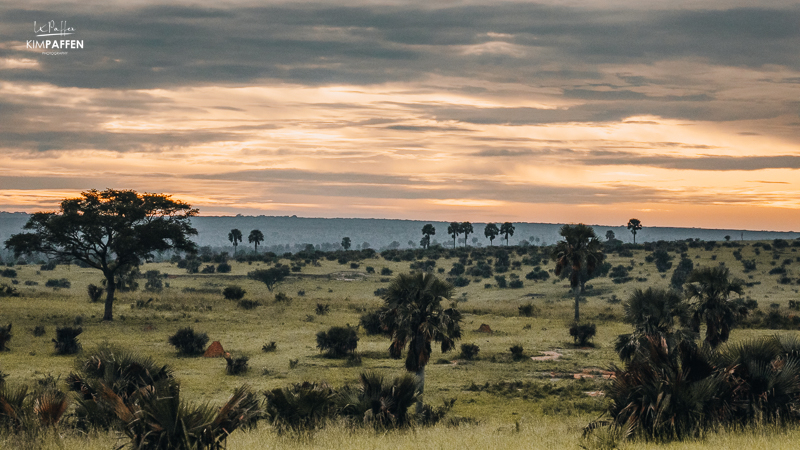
x=676, y=113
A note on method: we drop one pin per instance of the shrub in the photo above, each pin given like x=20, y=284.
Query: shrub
x=582, y=333
x=537, y=274
x=515, y=284
x=354, y=265
x=461, y=281
x=501, y=281
x=469, y=351
x=321, y=309
x=8, y=273
x=188, y=342
x=528, y=310
x=386, y=271
x=371, y=323
x=269, y=347
x=95, y=292
x=370, y=269
x=280, y=297
x=236, y=366
x=39, y=330
x=224, y=268
x=60, y=283
x=248, y=304
x=50, y=265
x=517, y=352
x=749, y=265
x=380, y=292
x=233, y=293
x=66, y=341
x=208, y=269
x=6, y=290
x=337, y=342
x=5, y=336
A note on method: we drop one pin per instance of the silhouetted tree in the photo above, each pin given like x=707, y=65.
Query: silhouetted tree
x=634, y=225
x=507, y=229
x=653, y=314
x=271, y=276
x=454, y=229
x=491, y=231
x=235, y=236
x=256, y=237
x=428, y=230
x=711, y=289
x=466, y=229
x=346, y=243
x=112, y=231
x=610, y=236
x=580, y=250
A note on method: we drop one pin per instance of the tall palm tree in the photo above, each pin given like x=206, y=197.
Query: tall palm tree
x=415, y=316
x=579, y=251
x=256, y=237
x=466, y=228
x=507, y=229
x=711, y=288
x=454, y=229
x=235, y=236
x=653, y=314
x=491, y=231
x=428, y=230
x=634, y=225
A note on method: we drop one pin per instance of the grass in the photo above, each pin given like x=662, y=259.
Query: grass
x=551, y=421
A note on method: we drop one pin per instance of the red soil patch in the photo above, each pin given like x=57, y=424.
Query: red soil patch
x=214, y=350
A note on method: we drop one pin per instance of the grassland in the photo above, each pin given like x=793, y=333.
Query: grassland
x=526, y=403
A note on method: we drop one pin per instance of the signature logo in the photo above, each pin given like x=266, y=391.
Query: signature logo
x=52, y=28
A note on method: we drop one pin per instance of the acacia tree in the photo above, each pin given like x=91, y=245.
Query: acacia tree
x=466, y=228
x=491, y=231
x=235, y=236
x=634, y=225
x=580, y=250
x=256, y=237
x=507, y=229
x=414, y=315
x=454, y=229
x=427, y=231
x=112, y=231
x=710, y=289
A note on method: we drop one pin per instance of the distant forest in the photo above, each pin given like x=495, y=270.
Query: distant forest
x=290, y=234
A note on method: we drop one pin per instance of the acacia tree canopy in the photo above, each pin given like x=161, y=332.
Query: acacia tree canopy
x=111, y=230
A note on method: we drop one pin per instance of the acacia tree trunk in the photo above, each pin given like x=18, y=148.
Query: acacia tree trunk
x=421, y=376
x=111, y=287
x=577, y=292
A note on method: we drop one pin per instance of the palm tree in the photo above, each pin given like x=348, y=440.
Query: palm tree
x=579, y=251
x=634, y=225
x=466, y=228
x=256, y=237
x=235, y=236
x=428, y=230
x=414, y=315
x=507, y=229
x=491, y=231
x=454, y=229
x=711, y=288
x=653, y=314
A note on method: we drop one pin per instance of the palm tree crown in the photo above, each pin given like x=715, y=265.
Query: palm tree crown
x=711, y=288
x=507, y=229
x=256, y=237
x=653, y=314
x=491, y=231
x=235, y=236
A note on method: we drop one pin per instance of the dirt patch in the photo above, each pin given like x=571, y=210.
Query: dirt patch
x=547, y=356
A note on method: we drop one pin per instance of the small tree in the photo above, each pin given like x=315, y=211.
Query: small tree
x=427, y=231
x=610, y=236
x=234, y=293
x=507, y=229
x=235, y=236
x=491, y=231
x=112, y=231
x=580, y=250
x=634, y=225
x=271, y=276
x=256, y=237
x=188, y=342
x=466, y=229
x=346, y=243
x=454, y=229
x=337, y=342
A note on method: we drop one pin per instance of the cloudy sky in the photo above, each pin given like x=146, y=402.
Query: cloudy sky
x=677, y=113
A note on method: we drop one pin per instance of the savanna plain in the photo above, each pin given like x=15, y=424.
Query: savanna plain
x=543, y=396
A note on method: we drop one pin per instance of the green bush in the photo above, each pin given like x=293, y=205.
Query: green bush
x=66, y=341
x=528, y=310
x=95, y=292
x=248, y=304
x=469, y=351
x=337, y=342
x=224, y=268
x=236, y=366
x=233, y=293
x=582, y=333
x=517, y=352
x=188, y=342
x=58, y=283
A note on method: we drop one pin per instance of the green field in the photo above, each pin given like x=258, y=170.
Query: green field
x=516, y=404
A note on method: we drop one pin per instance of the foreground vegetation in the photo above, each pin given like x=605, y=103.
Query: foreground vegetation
x=513, y=400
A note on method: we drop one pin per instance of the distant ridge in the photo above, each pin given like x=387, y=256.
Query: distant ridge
x=380, y=233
